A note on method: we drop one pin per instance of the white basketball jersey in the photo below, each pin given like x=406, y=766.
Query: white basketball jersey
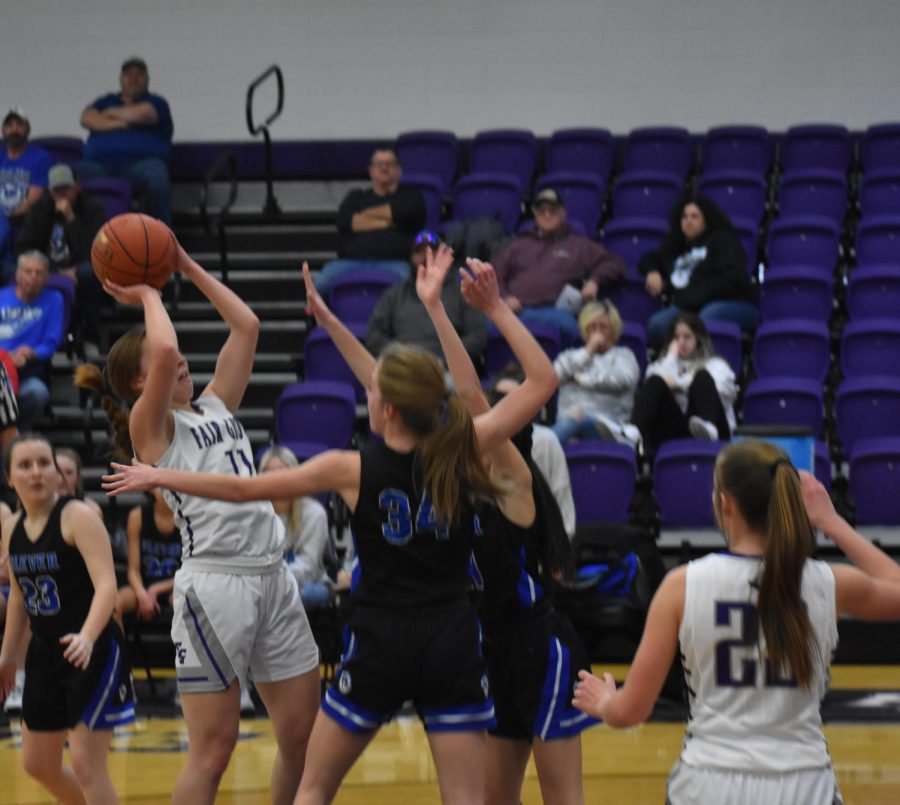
x=744, y=715
x=208, y=438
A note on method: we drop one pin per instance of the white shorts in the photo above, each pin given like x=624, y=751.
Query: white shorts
x=693, y=784
x=228, y=624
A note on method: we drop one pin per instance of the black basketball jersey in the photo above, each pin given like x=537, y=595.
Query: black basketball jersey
x=160, y=553
x=406, y=558
x=55, y=583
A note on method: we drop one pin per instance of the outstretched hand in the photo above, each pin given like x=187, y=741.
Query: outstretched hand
x=479, y=285
x=816, y=499
x=128, y=294
x=134, y=477
x=315, y=304
x=430, y=276
x=592, y=694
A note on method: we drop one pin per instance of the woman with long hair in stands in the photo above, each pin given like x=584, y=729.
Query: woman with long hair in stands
x=413, y=632
x=237, y=611
x=757, y=626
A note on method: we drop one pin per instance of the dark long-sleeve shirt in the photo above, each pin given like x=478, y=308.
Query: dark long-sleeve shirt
x=391, y=243
x=401, y=316
x=74, y=238
x=535, y=268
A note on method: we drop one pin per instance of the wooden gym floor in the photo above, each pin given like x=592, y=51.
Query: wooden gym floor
x=619, y=766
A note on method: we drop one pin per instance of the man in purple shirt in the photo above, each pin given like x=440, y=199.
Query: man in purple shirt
x=547, y=272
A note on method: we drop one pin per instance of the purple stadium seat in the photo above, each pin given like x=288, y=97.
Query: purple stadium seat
x=814, y=192
x=803, y=240
x=748, y=232
x=488, y=195
x=631, y=238
x=873, y=291
x=316, y=411
x=632, y=300
x=582, y=194
x=867, y=408
x=726, y=338
x=798, y=348
x=738, y=193
x=784, y=401
x=871, y=347
x=659, y=148
x=429, y=152
x=112, y=192
x=634, y=336
x=823, y=465
x=796, y=292
x=879, y=193
x=875, y=481
x=432, y=190
x=582, y=150
x=603, y=476
x=68, y=150
x=822, y=145
x=354, y=295
x=881, y=147
x=323, y=361
x=878, y=240
x=646, y=193
x=498, y=353
x=683, y=482
x=737, y=148
x=512, y=151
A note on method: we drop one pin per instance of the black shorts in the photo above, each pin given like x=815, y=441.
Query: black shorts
x=58, y=696
x=533, y=670
x=431, y=657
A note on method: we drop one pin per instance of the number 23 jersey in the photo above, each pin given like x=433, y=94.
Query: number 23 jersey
x=745, y=714
x=209, y=438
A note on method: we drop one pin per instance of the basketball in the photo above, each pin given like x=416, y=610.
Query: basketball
x=134, y=248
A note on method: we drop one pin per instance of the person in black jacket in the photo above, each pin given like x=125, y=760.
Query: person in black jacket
x=700, y=267
x=62, y=224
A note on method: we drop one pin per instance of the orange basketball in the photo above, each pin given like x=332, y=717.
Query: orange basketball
x=134, y=248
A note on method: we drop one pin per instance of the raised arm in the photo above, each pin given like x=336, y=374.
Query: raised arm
x=358, y=358
x=235, y=361
x=331, y=471
x=522, y=404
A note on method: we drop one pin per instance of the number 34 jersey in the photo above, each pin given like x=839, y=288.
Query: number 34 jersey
x=56, y=588
x=745, y=714
x=209, y=438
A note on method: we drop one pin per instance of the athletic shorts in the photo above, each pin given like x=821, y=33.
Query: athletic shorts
x=689, y=784
x=431, y=657
x=58, y=696
x=533, y=671
x=228, y=625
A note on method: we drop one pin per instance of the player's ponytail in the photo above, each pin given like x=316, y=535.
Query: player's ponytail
x=413, y=380
x=761, y=480
x=114, y=387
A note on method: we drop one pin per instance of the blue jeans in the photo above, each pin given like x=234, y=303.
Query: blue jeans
x=561, y=319
x=333, y=269
x=744, y=314
x=33, y=398
x=149, y=179
x=568, y=427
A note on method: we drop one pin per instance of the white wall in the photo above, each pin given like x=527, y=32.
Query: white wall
x=367, y=68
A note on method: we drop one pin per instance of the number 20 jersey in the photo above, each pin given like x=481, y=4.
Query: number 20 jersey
x=745, y=715
x=209, y=438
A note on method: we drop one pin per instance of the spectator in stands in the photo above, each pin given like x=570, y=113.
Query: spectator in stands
x=548, y=272
x=377, y=224
x=71, y=478
x=401, y=316
x=23, y=177
x=31, y=319
x=62, y=223
x=131, y=136
x=597, y=380
x=690, y=391
x=546, y=451
x=699, y=267
x=306, y=537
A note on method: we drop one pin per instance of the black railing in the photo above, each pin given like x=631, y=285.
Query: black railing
x=271, y=207
x=225, y=159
